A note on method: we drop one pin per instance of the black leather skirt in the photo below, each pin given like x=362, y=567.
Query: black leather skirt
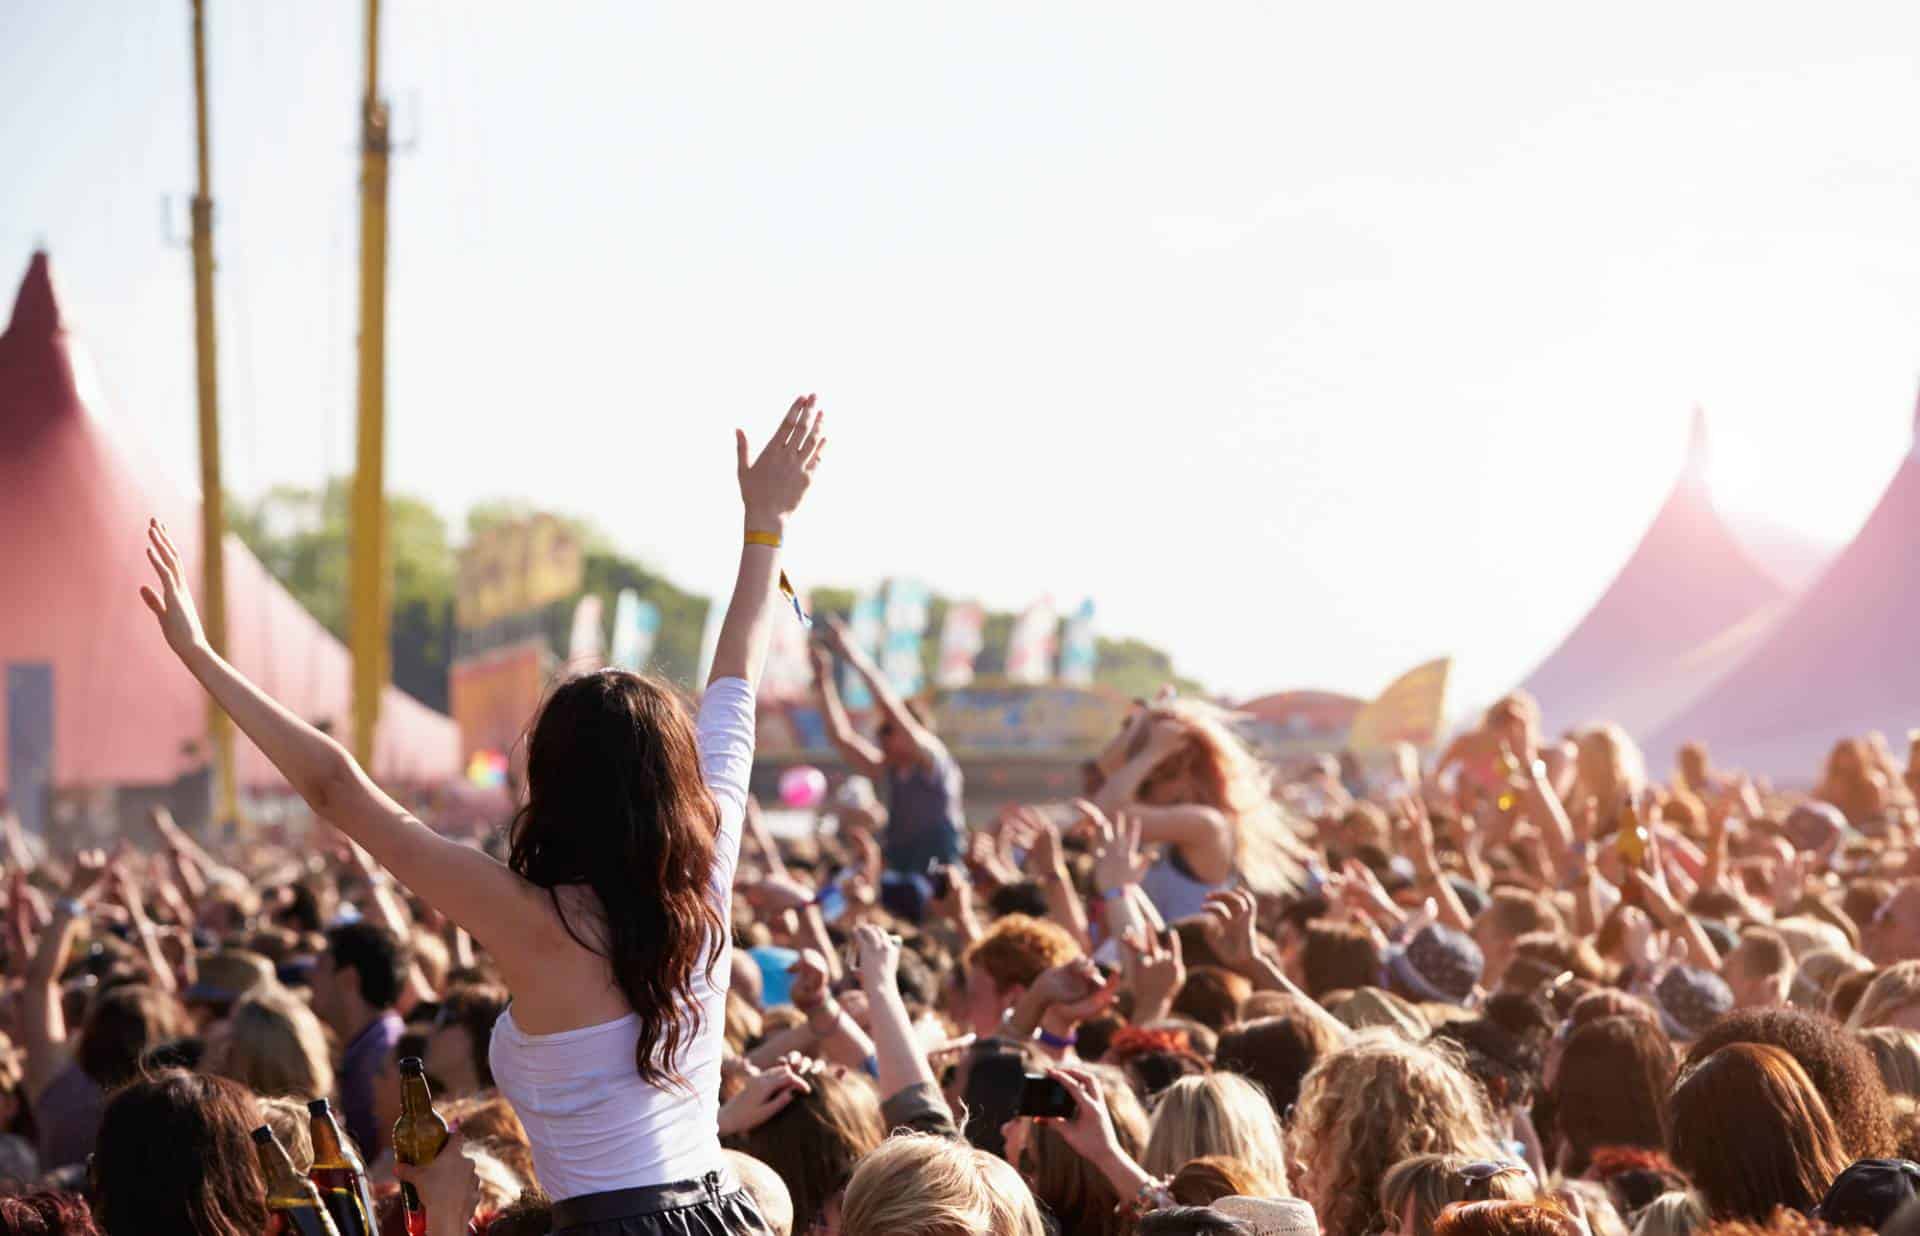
x=714, y=1205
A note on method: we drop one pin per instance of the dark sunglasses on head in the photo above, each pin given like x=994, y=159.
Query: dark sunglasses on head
x=1480, y=1176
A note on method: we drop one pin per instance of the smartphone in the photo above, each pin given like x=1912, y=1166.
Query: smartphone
x=942, y=883
x=1041, y=1095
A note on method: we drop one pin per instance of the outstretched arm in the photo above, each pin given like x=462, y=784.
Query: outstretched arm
x=771, y=488
x=891, y=705
x=466, y=885
x=861, y=756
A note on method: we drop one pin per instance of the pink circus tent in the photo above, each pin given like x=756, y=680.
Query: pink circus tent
x=124, y=712
x=1842, y=662
x=1689, y=602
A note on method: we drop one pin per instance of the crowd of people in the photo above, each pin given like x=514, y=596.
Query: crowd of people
x=1530, y=989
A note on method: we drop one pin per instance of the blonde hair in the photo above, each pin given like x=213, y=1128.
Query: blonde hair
x=1227, y=776
x=1895, y=988
x=1218, y=1114
x=1805, y=934
x=1371, y=1104
x=290, y=1123
x=1608, y=766
x=920, y=1185
x=274, y=1045
x=1433, y=1182
x=1671, y=1214
x=1896, y=1051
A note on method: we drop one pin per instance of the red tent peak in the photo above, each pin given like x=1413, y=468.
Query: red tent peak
x=1695, y=471
x=36, y=311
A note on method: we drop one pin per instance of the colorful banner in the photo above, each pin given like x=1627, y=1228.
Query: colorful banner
x=1079, y=654
x=867, y=627
x=1052, y=721
x=906, y=622
x=960, y=643
x=636, y=625
x=515, y=566
x=492, y=695
x=586, y=645
x=1030, y=647
x=1411, y=709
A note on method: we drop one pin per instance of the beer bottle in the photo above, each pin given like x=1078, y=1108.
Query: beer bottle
x=293, y=1204
x=417, y=1136
x=340, y=1174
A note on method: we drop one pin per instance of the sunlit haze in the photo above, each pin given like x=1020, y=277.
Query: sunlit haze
x=1310, y=341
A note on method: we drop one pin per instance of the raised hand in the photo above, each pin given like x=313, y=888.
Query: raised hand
x=772, y=486
x=1231, y=926
x=173, y=603
x=1118, y=861
x=88, y=876
x=879, y=958
x=1089, y=1131
x=762, y=1097
x=1154, y=970
x=809, y=991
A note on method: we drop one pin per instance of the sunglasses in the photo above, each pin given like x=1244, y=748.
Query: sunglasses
x=1480, y=1176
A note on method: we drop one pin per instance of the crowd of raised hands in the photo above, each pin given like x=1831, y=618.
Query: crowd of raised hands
x=1544, y=992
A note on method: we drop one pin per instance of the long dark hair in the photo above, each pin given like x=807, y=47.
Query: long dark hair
x=175, y=1157
x=616, y=802
x=1611, y=1089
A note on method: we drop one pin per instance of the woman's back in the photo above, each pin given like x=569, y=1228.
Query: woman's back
x=594, y=1123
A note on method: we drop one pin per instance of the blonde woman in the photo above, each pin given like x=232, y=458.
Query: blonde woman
x=1897, y=1053
x=1371, y=1104
x=1415, y=1191
x=1198, y=793
x=274, y=1045
x=1608, y=769
x=920, y=1185
x=1891, y=999
x=1218, y=1114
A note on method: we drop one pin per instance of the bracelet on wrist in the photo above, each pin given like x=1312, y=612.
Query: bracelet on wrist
x=1114, y=894
x=1058, y=1042
x=770, y=539
x=72, y=907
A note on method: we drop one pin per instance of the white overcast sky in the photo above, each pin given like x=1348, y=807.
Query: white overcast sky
x=1311, y=340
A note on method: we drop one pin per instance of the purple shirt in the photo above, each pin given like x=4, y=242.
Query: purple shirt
x=359, y=1064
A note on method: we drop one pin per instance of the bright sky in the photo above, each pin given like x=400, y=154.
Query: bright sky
x=1311, y=340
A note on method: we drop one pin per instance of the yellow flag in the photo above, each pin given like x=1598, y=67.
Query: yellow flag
x=1410, y=710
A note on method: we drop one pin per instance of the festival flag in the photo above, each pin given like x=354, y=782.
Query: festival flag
x=1079, y=655
x=636, y=625
x=586, y=646
x=906, y=619
x=1410, y=710
x=788, y=676
x=1030, y=647
x=960, y=643
x=866, y=626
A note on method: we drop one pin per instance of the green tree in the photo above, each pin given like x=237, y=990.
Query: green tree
x=300, y=535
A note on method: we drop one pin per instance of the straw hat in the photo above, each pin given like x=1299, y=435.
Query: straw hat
x=1271, y=1216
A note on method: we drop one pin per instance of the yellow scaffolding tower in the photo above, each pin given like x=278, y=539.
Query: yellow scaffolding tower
x=213, y=523
x=368, y=593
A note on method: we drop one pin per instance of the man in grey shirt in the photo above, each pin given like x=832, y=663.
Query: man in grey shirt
x=923, y=784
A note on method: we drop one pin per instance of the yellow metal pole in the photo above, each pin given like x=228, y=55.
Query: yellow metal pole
x=368, y=596
x=213, y=523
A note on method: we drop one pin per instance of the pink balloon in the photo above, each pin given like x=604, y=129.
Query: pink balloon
x=803, y=787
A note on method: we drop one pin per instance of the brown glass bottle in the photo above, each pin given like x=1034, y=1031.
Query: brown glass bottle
x=340, y=1174
x=418, y=1135
x=293, y=1204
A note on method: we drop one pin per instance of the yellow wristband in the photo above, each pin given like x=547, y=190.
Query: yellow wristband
x=770, y=539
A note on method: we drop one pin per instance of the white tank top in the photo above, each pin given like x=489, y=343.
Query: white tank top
x=593, y=1124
